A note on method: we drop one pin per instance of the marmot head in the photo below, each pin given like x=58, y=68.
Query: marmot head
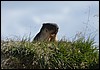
x=48, y=32
x=51, y=27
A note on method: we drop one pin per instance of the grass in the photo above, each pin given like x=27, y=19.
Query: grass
x=78, y=54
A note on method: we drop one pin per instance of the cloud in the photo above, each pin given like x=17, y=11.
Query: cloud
x=13, y=22
x=18, y=17
x=56, y=17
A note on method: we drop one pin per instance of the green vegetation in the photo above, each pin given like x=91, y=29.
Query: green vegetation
x=78, y=54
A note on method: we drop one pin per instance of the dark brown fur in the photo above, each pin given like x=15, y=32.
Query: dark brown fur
x=48, y=32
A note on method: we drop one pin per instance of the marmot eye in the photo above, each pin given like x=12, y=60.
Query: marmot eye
x=46, y=30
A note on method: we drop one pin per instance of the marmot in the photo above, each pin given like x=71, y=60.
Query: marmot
x=48, y=32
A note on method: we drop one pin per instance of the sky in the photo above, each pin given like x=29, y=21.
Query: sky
x=20, y=18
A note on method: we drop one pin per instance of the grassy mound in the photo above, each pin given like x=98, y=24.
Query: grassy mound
x=78, y=54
